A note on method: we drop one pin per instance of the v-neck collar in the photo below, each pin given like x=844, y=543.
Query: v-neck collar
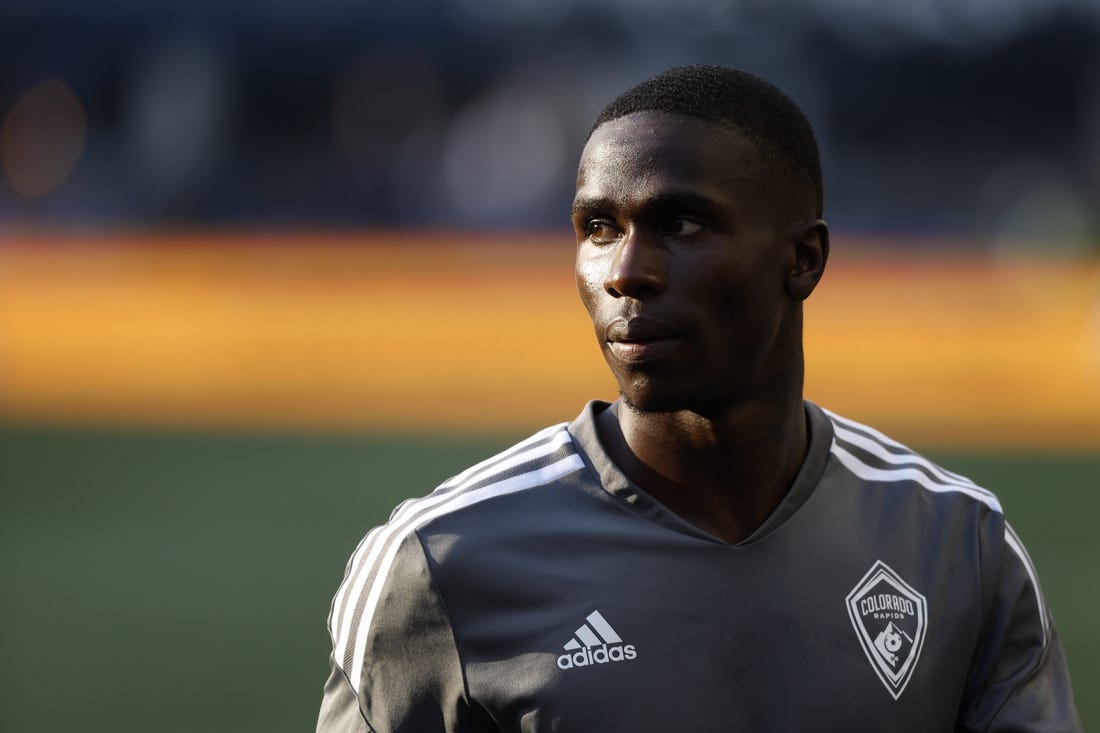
x=616, y=483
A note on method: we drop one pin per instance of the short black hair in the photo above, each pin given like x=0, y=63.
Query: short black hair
x=739, y=100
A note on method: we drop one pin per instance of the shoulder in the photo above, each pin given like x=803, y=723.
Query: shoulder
x=389, y=569
x=884, y=464
x=535, y=462
x=934, y=505
x=934, y=498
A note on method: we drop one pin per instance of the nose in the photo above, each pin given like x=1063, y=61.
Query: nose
x=637, y=268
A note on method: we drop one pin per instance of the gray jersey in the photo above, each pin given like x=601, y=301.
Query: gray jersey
x=542, y=591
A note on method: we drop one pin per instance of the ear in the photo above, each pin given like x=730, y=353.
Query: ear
x=809, y=242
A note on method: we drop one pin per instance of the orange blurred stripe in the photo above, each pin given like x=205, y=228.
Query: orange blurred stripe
x=406, y=331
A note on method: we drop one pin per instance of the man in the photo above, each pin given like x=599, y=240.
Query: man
x=710, y=552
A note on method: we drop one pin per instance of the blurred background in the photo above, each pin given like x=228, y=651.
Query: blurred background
x=268, y=268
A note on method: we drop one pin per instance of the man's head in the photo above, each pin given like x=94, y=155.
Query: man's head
x=698, y=239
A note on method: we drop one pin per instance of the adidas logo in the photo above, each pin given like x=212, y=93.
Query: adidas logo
x=595, y=643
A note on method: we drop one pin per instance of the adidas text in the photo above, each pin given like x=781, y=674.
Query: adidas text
x=597, y=655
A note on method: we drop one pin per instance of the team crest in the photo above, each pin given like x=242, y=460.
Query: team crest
x=890, y=619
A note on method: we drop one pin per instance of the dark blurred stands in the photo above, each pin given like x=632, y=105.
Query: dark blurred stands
x=972, y=118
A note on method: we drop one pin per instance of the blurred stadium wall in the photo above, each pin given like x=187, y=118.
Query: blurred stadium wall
x=407, y=332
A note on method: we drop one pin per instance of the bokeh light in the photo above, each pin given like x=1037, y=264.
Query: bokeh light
x=41, y=138
x=177, y=117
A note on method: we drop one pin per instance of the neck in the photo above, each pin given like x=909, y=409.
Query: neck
x=725, y=473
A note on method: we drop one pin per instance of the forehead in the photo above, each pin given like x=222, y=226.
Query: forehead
x=648, y=154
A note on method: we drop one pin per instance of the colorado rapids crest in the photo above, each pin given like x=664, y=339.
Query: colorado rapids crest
x=890, y=619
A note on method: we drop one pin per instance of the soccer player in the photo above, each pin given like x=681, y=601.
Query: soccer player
x=710, y=552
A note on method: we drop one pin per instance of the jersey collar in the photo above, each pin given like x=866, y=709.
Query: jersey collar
x=614, y=481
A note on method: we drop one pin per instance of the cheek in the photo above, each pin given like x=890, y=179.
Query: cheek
x=590, y=279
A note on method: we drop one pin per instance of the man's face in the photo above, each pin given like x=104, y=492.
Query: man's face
x=682, y=263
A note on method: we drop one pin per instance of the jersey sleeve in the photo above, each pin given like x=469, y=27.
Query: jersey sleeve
x=394, y=665
x=1019, y=680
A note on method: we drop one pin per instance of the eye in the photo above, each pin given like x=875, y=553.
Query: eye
x=601, y=231
x=681, y=227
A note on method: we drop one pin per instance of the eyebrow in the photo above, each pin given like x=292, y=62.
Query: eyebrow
x=671, y=199
x=589, y=204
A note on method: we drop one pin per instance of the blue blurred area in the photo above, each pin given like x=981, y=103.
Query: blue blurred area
x=977, y=118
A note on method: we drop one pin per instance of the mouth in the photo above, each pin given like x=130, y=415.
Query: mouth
x=639, y=340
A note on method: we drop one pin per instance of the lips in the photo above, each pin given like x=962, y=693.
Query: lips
x=639, y=340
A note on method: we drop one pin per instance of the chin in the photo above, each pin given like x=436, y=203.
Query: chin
x=650, y=395
x=651, y=398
